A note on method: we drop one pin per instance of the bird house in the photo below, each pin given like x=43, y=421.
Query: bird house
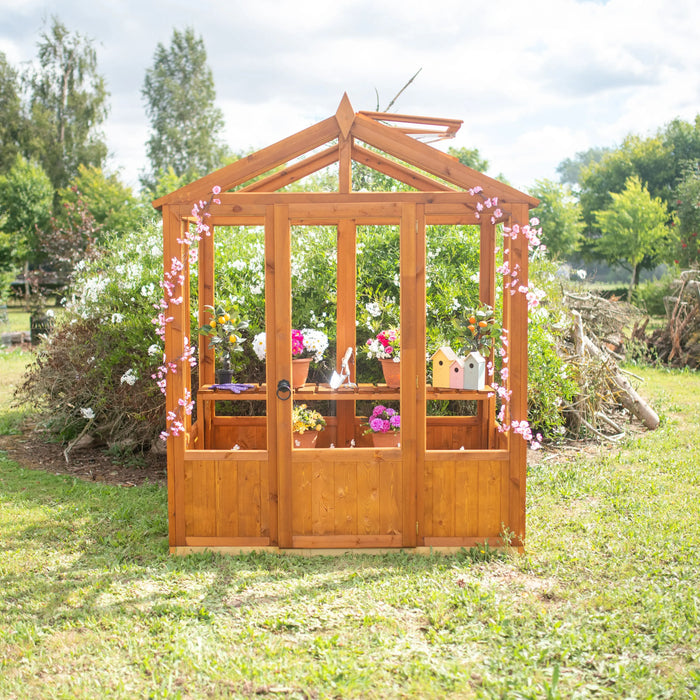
x=443, y=361
x=474, y=371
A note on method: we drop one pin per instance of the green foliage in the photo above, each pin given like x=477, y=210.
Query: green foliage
x=11, y=118
x=225, y=331
x=570, y=170
x=688, y=205
x=560, y=217
x=632, y=227
x=26, y=197
x=469, y=157
x=68, y=104
x=185, y=124
x=649, y=296
x=98, y=364
x=112, y=204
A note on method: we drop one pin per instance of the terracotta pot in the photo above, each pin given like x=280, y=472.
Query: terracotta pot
x=300, y=371
x=390, y=439
x=305, y=440
x=392, y=372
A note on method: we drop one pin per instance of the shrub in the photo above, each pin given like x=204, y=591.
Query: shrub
x=96, y=366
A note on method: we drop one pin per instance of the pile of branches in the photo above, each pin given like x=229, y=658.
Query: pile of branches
x=604, y=319
x=592, y=346
x=678, y=344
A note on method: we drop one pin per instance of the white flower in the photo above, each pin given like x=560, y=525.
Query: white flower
x=581, y=274
x=129, y=377
x=87, y=413
x=117, y=318
x=373, y=309
x=260, y=345
x=315, y=341
x=154, y=350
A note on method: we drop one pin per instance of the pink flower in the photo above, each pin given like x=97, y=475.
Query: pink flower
x=376, y=425
x=216, y=189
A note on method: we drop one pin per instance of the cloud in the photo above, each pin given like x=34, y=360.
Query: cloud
x=533, y=82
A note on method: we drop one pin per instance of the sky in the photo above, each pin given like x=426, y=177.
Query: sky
x=534, y=82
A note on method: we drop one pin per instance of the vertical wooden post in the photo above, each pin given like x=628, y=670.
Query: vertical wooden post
x=518, y=352
x=345, y=164
x=270, y=364
x=421, y=360
x=345, y=325
x=176, y=383
x=206, y=298
x=410, y=350
x=487, y=295
x=279, y=334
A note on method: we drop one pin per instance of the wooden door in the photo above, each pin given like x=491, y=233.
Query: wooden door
x=325, y=498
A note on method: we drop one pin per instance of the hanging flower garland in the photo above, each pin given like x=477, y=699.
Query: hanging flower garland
x=172, y=279
x=511, y=284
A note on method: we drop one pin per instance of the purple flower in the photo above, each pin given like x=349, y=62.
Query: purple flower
x=378, y=410
x=395, y=421
x=390, y=412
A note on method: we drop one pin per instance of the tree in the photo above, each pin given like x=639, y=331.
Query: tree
x=560, y=215
x=469, y=157
x=11, y=121
x=68, y=103
x=570, y=169
x=632, y=227
x=186, y=125
x=688, y=206
x=26, y=197
x=112, y=204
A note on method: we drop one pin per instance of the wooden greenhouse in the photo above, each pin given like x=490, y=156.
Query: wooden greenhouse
x=238, y=482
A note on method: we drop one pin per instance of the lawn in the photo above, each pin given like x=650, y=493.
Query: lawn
x=605, y=602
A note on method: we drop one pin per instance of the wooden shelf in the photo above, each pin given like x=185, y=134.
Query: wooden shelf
x=323, y=392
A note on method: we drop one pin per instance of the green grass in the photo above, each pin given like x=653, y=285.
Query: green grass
x=12, y=366
x=604, y=603
x=17, y=320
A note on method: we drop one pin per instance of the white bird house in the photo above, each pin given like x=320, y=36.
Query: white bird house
x=474, y=371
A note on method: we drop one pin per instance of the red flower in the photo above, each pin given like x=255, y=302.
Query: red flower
x=685, y=245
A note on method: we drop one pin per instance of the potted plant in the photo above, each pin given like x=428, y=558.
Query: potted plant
x=306, y=424
x=386, y=347
x=226, y=333
x=481, y=331
x=308, y=345
x=384, y=425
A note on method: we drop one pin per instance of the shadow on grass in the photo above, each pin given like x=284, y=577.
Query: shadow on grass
x=75, y=549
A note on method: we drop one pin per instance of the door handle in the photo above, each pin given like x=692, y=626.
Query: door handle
x=283, y=387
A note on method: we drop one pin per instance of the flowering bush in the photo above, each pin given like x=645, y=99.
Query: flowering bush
x=94, y=371
x=306, y=342
x=386, y=345
x=305, y=418
x=383, y=420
